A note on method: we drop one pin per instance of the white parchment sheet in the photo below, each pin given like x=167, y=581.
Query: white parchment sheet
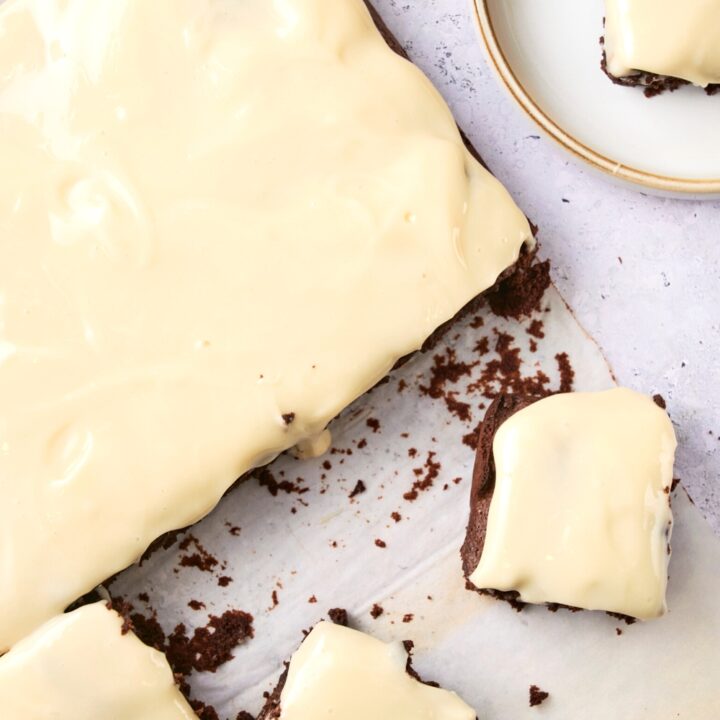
x=321, y=544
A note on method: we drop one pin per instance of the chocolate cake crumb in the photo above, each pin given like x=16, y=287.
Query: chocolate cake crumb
x=567, y=374
x=123, y=610
x=447, y=369
x=377, y=611
x=224, y=581
x=618, y=631
x=196, y=605
x=380, y=543
x=412, y=452
x=312, y=599
x=339, y=616
x=203, y=711
x=536, y=329
x=520, y=294
x=200, y=559
x=482, y=346
x=660, y=401
x=266, y=479
x=362, y=443
x=537, y=696
x=210, y=646
x=234, y=530
x=288, y=418
x=503, y=374
x=396, y=516
x=426, y=477
x=275, y=599
x=144, y=597
x=373, y=424
x=358, y=489
x=401, y=385
x=408, y=617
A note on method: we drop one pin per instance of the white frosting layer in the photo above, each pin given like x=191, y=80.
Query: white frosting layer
x=580, y=514
x=343, y=674
x=213, y=213
x=667, y=37
x=80, y=666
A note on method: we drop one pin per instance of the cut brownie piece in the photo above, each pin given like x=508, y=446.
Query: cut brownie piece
x=87, y=665
x=661, y=45
x=570, y=502
x=342, y=673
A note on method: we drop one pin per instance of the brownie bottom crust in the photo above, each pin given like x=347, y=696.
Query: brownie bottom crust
x=651, y=83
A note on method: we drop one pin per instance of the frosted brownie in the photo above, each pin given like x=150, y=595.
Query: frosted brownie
x=85, y=665
x=342, y=673
x=224, y=222
x=570, y=502
x=662, y=44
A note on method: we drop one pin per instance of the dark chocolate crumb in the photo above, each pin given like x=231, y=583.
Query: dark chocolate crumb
x=196, y=605
x=377, y=611
x=536, y=329
x=660, y=401
x=339, y=616
x=537, y=696
x=373, y=424
x=275, y=599
x=408, y=618
x=380, y=543
x=266, y=479
x=224, y=580
x=618, y=631
x=358, y=489
x=200, y=559
x=396, y=516
x=426, y=477
x=144, y=597
x=567, y=374
x=288, y=418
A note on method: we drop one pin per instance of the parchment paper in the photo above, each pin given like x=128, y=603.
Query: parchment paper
x=321, y=544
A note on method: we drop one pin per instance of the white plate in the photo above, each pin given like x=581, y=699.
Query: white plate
x=548, y=55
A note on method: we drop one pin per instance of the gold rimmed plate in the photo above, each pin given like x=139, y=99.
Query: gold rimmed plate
x=548, y=56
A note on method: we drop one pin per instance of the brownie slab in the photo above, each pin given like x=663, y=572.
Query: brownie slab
x=249, y=227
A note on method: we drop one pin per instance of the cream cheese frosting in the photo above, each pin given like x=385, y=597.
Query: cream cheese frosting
x=580, y=514
x=80, y=666
x=665, y=37
x=221, y=222
x=346, y=675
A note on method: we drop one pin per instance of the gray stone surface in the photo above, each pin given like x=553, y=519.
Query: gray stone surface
x=642, y=273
